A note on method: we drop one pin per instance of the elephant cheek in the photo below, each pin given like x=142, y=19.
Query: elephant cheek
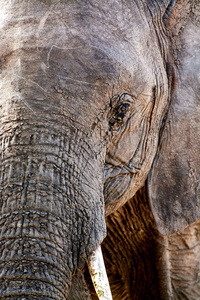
x=114, y=188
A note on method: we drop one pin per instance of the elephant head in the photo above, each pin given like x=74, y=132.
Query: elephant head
x=86, y=114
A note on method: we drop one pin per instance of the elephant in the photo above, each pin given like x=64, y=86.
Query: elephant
x=100, y=133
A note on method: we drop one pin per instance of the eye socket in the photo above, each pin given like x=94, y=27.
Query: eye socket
x=120, y=109
x=118, y=114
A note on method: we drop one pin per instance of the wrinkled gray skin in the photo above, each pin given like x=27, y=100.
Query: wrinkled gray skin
x=94, y=97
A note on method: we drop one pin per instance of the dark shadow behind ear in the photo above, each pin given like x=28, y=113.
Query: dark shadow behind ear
x=174, y=180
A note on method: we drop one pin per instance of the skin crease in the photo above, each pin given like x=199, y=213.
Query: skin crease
x=94, y=100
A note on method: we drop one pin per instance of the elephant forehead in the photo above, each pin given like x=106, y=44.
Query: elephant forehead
x=112, y=34
x=89, y=71
x=82, y=51
x=116, y=44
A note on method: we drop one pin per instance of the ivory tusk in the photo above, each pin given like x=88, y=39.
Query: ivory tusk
x=98, y=274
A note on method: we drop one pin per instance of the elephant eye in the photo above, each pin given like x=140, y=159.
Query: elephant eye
x=118, y=114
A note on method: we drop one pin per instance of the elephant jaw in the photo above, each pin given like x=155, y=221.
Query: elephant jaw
x=98, y=274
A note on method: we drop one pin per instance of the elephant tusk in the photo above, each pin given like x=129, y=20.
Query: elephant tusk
x=98, y=274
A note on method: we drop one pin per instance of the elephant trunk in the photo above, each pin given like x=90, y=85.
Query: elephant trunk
x=38, y=265
x=49, y=226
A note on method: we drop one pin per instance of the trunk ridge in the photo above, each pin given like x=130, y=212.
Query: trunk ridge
x=39, y=261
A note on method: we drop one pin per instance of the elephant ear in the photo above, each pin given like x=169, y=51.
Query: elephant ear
x=173, y=182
